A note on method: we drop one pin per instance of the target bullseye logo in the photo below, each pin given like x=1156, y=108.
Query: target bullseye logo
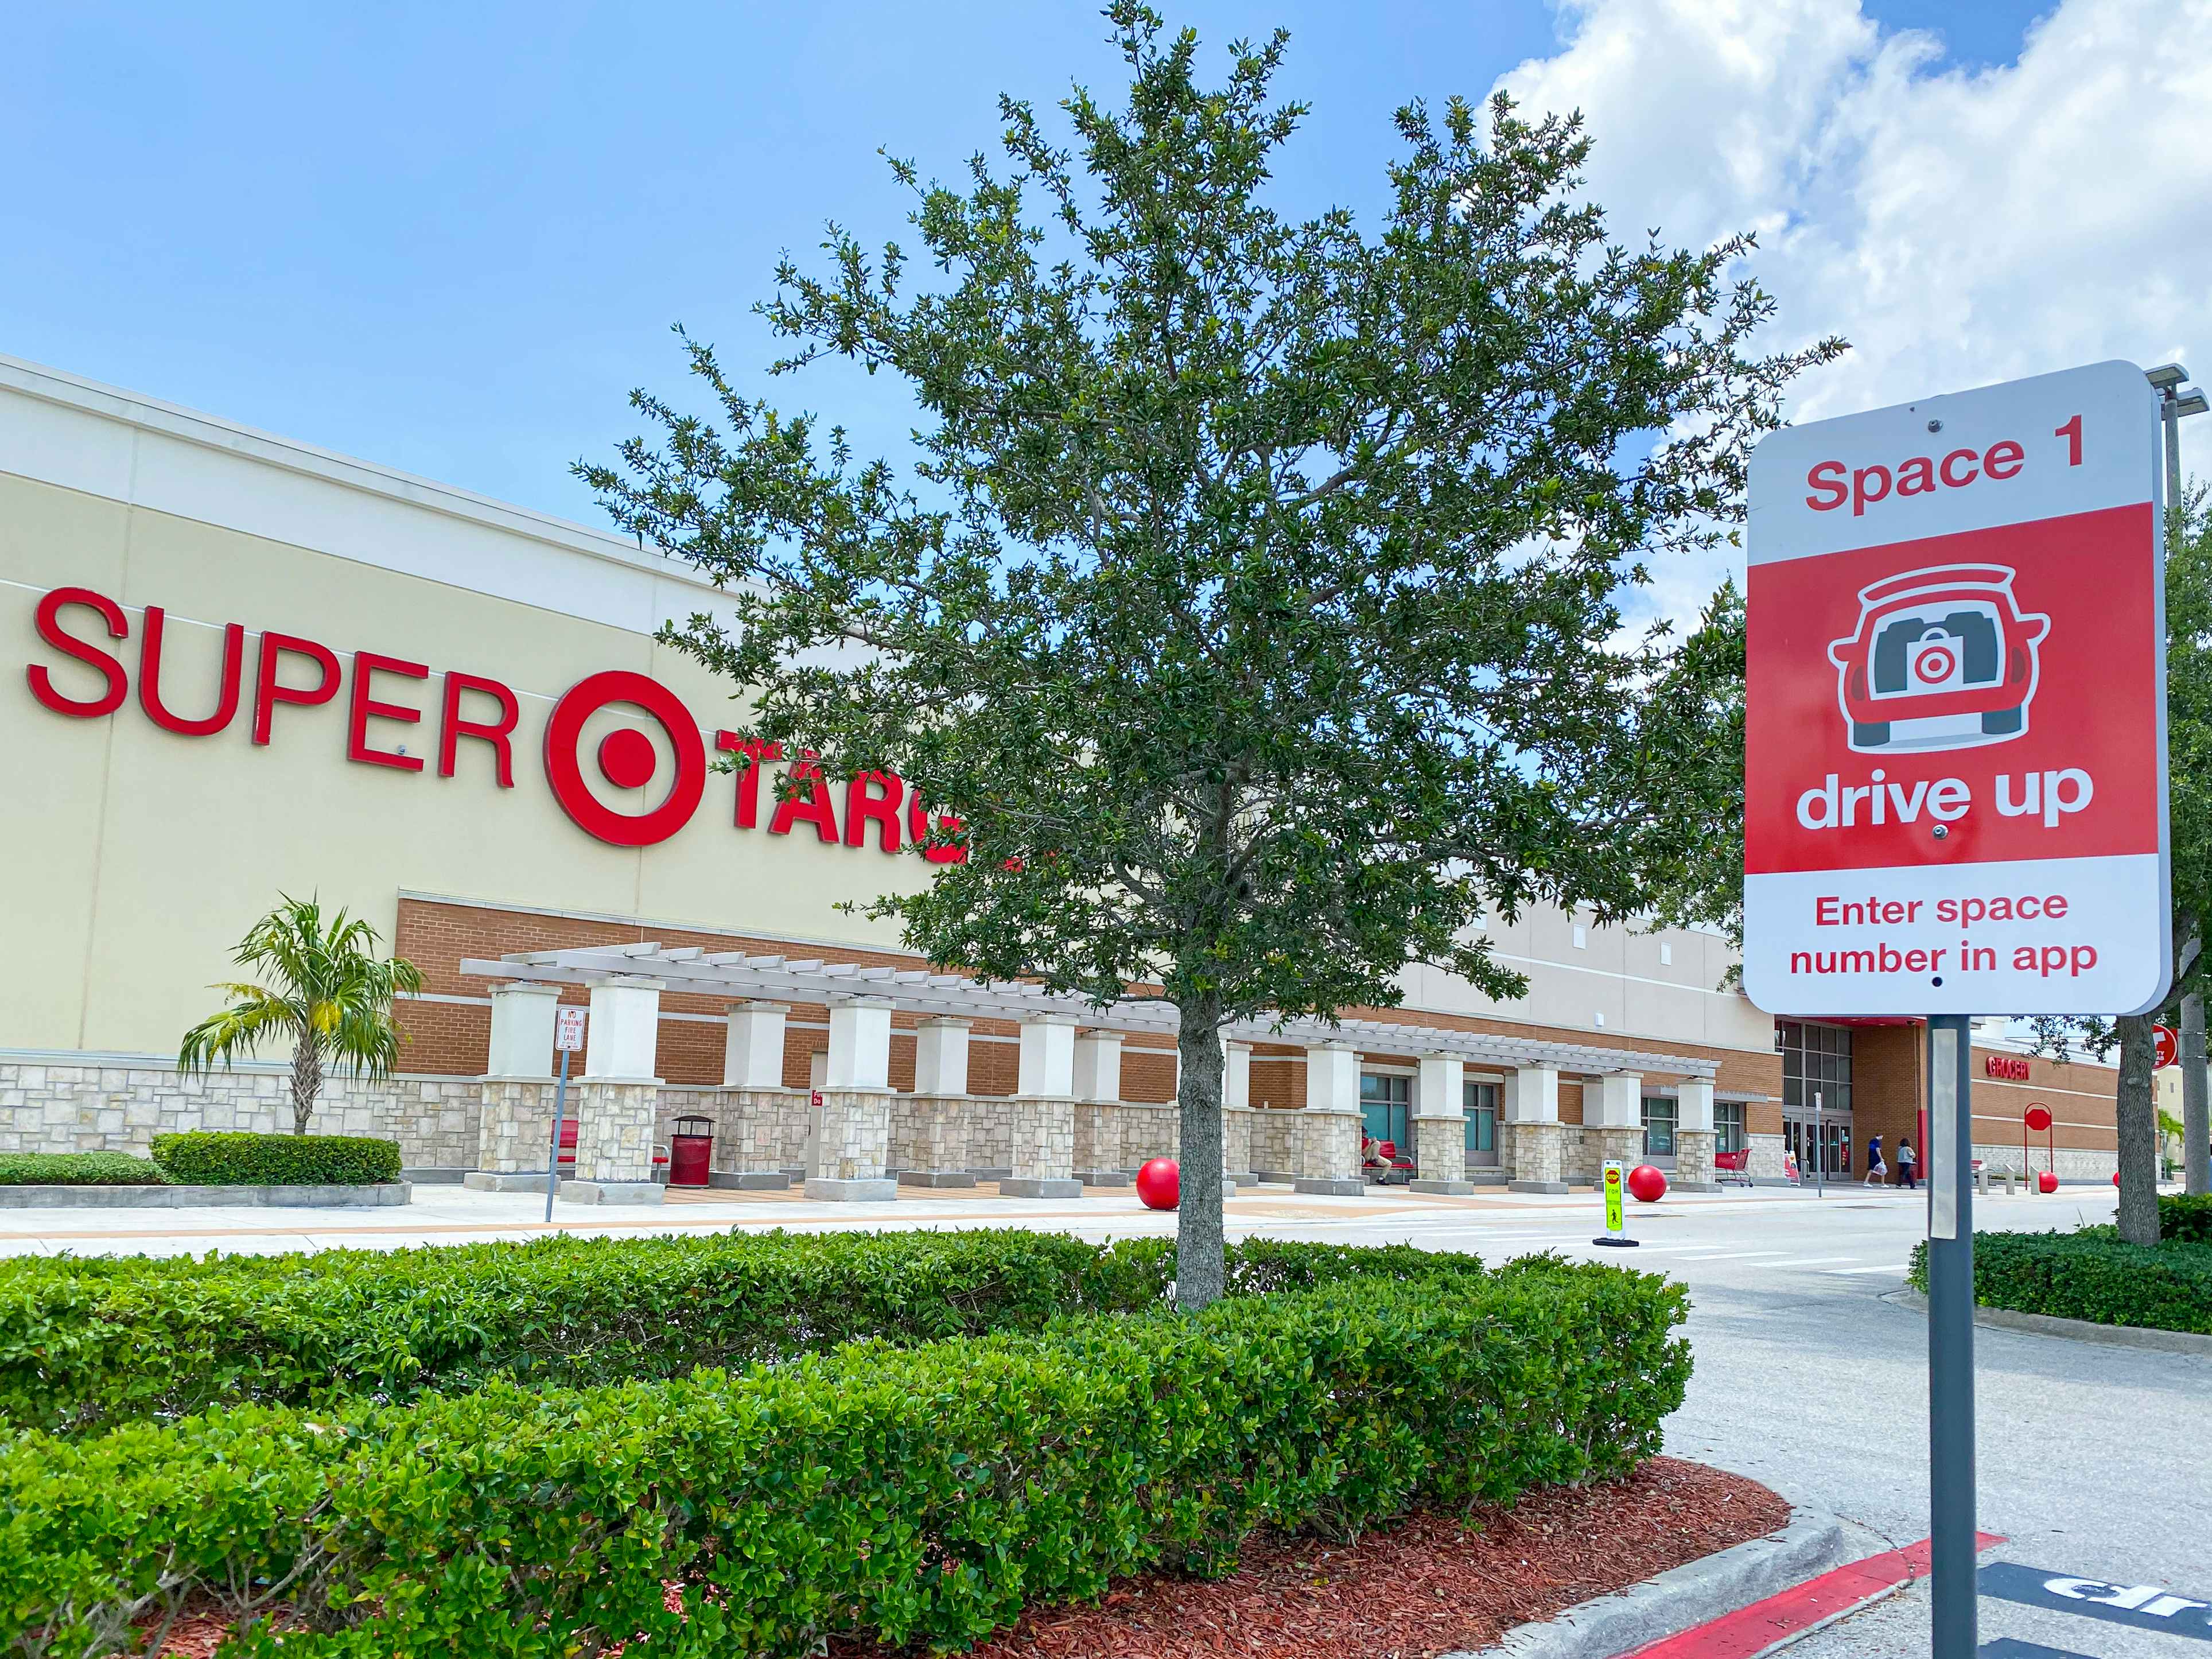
x=625, y=758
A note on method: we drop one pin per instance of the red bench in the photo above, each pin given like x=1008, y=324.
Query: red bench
x=1384, y=1164
x=568, y=1159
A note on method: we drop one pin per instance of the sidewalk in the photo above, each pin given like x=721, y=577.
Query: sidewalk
x=452, y=1214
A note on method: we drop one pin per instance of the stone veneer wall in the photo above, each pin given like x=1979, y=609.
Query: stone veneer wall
x=1275, y=1141
x=50, y=1106
x=2074, y=1163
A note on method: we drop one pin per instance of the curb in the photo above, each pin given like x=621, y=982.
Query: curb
x=369, y=1196
x=1682, y=1597
x=2079, y=1330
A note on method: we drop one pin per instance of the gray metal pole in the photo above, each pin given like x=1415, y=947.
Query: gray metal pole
x=1819, y=1148
x=1949, y=1153
x=553, y=1153
x=2196, y=1155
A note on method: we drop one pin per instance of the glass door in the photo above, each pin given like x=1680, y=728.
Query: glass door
x=1481, y=1108
x=1386, y=1109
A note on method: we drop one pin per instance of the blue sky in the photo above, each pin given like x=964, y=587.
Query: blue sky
x=451, y=238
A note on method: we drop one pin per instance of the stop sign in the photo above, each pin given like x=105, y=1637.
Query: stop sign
x=2168, y=1044
x=2039, y=1117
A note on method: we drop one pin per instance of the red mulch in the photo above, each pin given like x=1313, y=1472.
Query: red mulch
x=1431, y=1584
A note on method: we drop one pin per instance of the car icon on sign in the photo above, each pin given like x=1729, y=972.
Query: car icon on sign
x=1941, y=659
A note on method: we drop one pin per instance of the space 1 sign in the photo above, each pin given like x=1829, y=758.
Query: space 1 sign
x=1954, y=751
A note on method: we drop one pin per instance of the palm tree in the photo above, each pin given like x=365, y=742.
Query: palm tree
x=330, y=994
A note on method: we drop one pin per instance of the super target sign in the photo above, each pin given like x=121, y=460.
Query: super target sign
x=649, y=754
x=1954, y=767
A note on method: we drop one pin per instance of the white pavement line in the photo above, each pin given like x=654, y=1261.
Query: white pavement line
x=1886, y=1268
x=1815, y=1261
x=1735, y=1255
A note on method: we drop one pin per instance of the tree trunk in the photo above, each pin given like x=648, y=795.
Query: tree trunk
x=1202, y=1269
x=2196, y=1154
x=307, y=1082
x=2137, y=1118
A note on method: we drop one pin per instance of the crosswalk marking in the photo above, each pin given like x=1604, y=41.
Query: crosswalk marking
x=1886, y=1268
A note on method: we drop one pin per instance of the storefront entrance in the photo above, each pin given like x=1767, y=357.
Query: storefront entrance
x=1830, y=1136
x=1481, y=1107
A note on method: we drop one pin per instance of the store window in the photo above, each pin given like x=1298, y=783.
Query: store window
x=1481, y=1108
x=1727, y=1125
x=1386, y=1104
x=1816, y=1059
x=1658, y=1126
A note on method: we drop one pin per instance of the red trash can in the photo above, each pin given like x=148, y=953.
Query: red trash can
x=692, y=1152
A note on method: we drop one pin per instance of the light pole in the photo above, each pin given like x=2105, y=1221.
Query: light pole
x=2176, y=399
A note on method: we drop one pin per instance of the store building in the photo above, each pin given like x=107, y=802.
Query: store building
x=245, y=666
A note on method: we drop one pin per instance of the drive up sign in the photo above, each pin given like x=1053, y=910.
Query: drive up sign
x=1955, y=733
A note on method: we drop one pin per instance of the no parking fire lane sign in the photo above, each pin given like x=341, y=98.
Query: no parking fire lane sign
x=1955, y=734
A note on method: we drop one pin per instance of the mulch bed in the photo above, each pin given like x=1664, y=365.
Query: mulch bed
x=1431, y=1584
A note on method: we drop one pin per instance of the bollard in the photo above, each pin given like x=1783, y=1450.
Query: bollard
x=1982, y=1181
x=2007, y=1183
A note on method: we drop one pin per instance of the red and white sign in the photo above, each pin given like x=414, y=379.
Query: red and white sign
x=568, y=1029
x=2166, y=1042
x=2011, y=1067
x=1954, y=765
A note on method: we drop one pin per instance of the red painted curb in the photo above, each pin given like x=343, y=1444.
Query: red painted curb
x=1751, y=1631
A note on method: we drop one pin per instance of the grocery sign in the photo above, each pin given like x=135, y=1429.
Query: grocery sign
x=1955, y=695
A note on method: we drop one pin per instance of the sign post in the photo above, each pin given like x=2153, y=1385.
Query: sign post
x=1616, y=1221
x=1954, y=769
x=567, y=1038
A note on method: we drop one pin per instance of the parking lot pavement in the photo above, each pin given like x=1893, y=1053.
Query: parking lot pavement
x=2091, y=1457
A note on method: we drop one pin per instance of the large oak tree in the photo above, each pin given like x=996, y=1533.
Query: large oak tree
x=1253, y=595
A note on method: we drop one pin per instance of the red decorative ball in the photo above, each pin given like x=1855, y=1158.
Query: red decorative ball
x=2116, y=1177
x=1647, y=1184
x=2046, y=1181
x=1159, y=1184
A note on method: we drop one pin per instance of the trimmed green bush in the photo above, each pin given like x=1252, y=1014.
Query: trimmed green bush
x=77, y=1169
x=2092, y=1274
x=209, y=1159
x=921, y=1496
x=2186, y=1219
x=87, y=1341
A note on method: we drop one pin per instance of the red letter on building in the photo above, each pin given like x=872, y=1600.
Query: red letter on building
x=917, y=831
x=747, y=816
x=863, y=803
x=267, y=693
x=50, y=630
x=150, y=678
x=362, y=706
x=810, y=801
x=452, y=728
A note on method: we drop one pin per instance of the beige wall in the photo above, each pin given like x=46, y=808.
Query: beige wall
x=135, y=857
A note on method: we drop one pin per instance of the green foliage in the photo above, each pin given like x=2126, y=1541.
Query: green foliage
x=1253, y=611
x=77, y=1169
x=921, y=1496
x=2092, y=1274
x=93, y=1341
x=329, y=995
x=2185, y=1219
x=206, y=1158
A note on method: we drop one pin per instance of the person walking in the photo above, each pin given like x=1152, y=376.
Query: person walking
x=1908, y=1162
x=1876, y=1171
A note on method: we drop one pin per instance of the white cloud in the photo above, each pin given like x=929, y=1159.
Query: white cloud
x=1958, y=227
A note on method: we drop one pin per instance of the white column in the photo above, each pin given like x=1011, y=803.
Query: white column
x=941, y=1056
x=1440, y=1088
x=1098, y=1066
x=1332, y=1078
x=1694, y=1106
x=860, y=1044
x=1047, y=1062
x=1620, y=1102
x=521, y=1030
x=1236, y=1076
x=752, y=1053
x=623, y=1039
x=1532, y=1094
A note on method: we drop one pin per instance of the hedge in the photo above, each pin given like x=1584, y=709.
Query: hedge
x=206, y=1159
x=2093, y=1274
x=87, y=1342
x=921, y=1496
x=77, y=1169
x=2187, y=1219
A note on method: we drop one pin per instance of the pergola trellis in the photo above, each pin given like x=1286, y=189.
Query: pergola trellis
x=747, y=976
